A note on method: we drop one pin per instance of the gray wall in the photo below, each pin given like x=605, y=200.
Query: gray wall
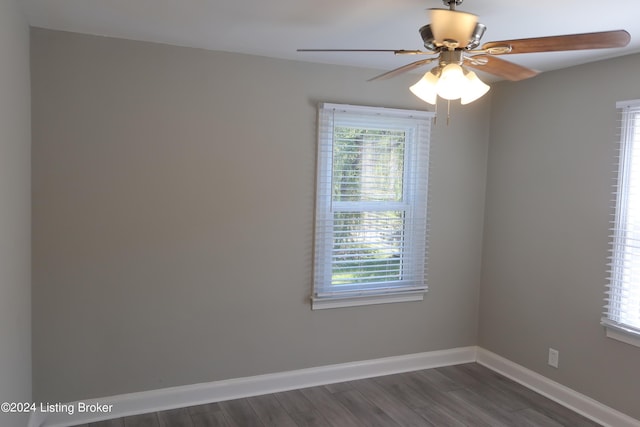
x=173, y=202
x=546, y=230
x=15, y=205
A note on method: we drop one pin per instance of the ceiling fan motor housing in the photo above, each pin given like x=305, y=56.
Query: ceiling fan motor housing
x=450, y=26
x=430, y=42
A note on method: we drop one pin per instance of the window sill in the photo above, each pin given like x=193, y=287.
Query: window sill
x=354, y=301
x=623, y=335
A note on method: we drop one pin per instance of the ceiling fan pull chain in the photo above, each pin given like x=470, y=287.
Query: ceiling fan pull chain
x=435, y=117
x=448, y=111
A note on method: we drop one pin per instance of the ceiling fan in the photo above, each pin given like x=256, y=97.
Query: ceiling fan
x=454, y=37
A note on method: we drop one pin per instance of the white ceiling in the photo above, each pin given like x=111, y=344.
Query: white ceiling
x=276, y=28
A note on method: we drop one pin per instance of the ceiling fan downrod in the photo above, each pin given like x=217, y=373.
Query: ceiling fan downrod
x=452, y=3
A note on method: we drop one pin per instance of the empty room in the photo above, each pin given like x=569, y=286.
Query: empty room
x=296, y=213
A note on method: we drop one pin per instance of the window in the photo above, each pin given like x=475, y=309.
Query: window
x=622, y=310
x=371, y=206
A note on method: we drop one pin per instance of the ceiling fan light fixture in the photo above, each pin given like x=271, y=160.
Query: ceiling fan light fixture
x=452, y=83
x=425, y=88
x=476, y=88
x=452, y=25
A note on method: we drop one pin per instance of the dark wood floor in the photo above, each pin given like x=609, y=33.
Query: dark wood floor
x=462, y=395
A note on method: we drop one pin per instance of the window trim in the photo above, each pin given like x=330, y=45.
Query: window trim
x=321, y=297
x=613, y=329
x=620, y=333
x=321, y=303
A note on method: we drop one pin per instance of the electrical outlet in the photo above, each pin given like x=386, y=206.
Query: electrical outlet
x=554, y=357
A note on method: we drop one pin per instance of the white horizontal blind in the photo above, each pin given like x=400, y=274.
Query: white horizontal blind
x=622, y=309
x=371, y=207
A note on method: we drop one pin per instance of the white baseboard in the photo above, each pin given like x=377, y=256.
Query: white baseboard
x=218, y=391
x=573, y=400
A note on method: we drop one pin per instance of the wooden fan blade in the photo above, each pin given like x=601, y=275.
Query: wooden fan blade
x=396, y=51
x=403, y=69
x=601, y=40
x=500, y=67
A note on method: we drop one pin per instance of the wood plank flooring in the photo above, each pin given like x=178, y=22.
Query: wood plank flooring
x=456, y=396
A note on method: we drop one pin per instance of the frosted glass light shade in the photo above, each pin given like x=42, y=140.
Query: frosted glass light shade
x=425, y=88
x=452, y=25
x=452, y=83
x=475, y=88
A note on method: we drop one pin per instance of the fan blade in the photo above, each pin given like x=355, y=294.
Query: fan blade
x=395, y=52
x=601, y=40
x=403, y=69
x=500, y=67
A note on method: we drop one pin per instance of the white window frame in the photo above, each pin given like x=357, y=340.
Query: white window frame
x=414, y=204
x=622, y=292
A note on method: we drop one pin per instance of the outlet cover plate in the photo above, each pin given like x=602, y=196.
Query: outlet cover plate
x=554, y=357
